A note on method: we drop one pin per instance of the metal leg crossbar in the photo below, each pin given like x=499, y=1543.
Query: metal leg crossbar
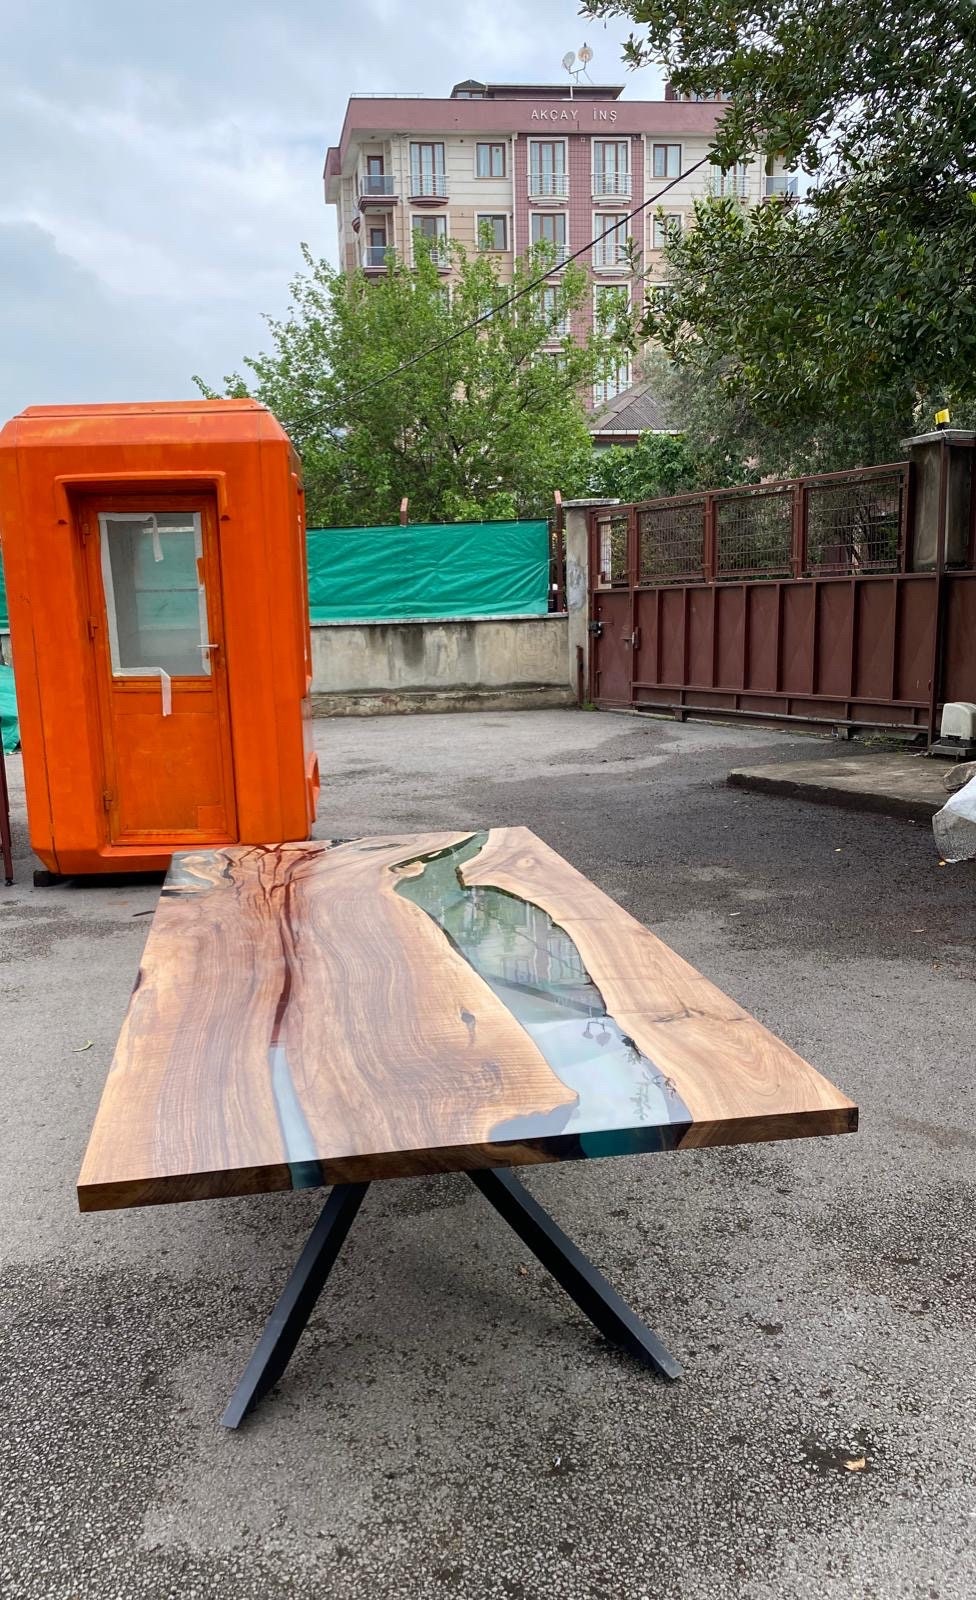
x=534, y=1226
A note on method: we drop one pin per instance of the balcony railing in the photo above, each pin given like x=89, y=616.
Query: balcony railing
x=730, y=184
x=560, y=252
x=375, y=256
x=615, y=184
x=610, y=255
x=428, y=185
x=781, y=185
x=377, y=185
x=548, y=185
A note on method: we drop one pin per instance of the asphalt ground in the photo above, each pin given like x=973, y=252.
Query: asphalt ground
x=451, y=1425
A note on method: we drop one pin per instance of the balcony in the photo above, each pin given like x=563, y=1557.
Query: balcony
x=376, y=188
x=428, y=188
x=728, y=185
x=609, y=256
x=548, y=186
x=375, y=257
x=781, y=186
x=611, y=185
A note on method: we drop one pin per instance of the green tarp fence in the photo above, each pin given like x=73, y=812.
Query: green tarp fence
x=458, y=569
x=9, y=726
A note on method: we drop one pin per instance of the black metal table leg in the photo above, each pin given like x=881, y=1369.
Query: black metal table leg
x=571, y=1269
x=297, y=1300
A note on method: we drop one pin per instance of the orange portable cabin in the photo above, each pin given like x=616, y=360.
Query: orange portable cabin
x=158, y=597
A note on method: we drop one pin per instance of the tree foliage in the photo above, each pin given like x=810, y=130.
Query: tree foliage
x=660, y=464
x=487, y=424
x=825, y=327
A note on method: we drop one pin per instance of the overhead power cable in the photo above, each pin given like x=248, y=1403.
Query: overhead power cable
x=526, y=288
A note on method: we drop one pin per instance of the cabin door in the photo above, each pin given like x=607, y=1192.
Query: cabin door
x=156, y=630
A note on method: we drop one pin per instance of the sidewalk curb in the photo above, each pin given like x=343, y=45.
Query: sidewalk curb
x=892, y=805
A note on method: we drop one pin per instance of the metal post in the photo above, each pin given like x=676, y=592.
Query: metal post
x=710, y=540
x=935, y=685
x=5, y=844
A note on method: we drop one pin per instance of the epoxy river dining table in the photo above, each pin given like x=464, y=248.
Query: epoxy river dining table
x=329, y=1014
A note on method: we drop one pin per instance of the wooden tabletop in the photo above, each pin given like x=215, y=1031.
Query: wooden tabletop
x=313, y=1013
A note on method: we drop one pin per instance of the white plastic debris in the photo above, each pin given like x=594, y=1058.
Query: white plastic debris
x=954, y=826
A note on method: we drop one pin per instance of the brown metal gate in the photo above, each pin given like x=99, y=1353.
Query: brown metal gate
x=787, y=600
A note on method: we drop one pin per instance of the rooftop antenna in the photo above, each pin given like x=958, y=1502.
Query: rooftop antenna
x=584, y=56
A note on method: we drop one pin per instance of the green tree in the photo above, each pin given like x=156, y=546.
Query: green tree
x=487, y=424
x=659, y=464
x=826, y=328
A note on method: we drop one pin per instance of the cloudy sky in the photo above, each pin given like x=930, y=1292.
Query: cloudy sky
x=159, y=165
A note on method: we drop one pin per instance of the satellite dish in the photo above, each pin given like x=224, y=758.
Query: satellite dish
x=568, y=60
x=585, y=54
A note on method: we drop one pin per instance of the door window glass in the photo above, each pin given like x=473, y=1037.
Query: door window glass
x=156, y=604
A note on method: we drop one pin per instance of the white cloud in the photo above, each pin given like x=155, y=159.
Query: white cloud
x=161, y=165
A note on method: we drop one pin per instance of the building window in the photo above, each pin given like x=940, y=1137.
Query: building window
x=558, y=325
x=667, y=160
x=492, y=232
x=547, y=169
x=781, y=185
x=730, y=181
x=613, y=384
x=490, y=161
x=427, y=170
x=610, y=300
x=611, y=168
x=550, y=227
x=665, y=228
x=433, y=230
x=612, y=250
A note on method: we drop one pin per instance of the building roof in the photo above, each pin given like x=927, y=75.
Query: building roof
x=533, y=91
x=632, y=412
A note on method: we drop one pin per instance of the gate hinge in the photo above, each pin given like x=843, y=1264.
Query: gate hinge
x=635, y=639
x=107, y=798
x=91, y=625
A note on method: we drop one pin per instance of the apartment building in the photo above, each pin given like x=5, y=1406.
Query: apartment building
x=500, y=166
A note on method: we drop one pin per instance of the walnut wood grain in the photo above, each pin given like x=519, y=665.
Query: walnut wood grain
x=735, y=1077
x=297, y=1020
x=392, y=1046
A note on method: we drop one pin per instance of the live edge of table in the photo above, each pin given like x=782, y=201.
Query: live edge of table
x=312, y=1014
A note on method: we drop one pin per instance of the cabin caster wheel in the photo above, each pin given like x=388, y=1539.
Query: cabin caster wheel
x=46, y=880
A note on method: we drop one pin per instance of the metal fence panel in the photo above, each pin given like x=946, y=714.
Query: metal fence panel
x=671, y=539
x=855, y=524
x=754, y=533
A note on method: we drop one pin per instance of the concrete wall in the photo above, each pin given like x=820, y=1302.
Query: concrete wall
x=452, y=664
